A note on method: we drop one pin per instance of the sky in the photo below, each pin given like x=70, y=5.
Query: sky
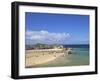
x=52, y=28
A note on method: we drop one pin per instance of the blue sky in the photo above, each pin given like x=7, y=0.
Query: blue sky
x=56, y=28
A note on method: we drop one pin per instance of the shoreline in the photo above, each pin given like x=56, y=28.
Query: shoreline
x=35, y=57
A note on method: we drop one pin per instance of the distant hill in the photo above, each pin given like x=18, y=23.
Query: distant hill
x=43, y=46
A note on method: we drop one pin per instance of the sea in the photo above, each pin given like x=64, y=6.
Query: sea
x=78, y=57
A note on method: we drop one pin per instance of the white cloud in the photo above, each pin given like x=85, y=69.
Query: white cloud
x=45, y=37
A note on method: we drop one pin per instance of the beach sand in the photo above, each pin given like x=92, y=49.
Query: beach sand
x=36, y=57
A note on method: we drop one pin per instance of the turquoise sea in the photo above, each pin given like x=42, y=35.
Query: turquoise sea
x=78, y=57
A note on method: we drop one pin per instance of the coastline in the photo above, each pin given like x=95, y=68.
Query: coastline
x=50, y=57
x=35, y=57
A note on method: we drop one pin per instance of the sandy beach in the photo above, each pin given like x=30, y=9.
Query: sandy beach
x=35, y=57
